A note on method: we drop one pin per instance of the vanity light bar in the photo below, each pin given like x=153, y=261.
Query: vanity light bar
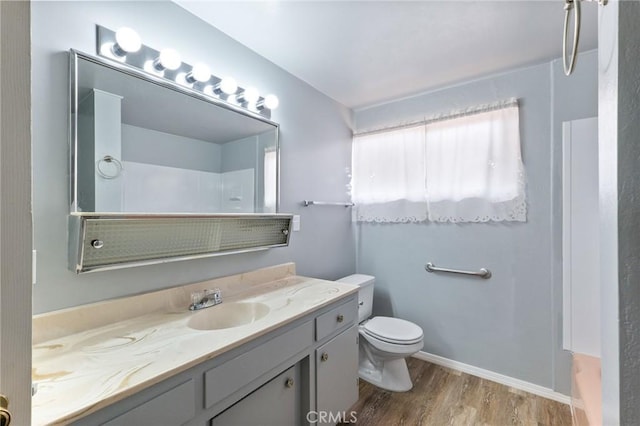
x=125, y=45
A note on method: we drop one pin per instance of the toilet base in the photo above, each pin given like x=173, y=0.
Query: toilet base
x=391, y=375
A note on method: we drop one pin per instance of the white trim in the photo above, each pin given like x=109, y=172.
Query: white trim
x=567, y=315
x=494, y=377
x=15, y=208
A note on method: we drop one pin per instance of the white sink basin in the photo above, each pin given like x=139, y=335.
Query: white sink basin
x=228, y=315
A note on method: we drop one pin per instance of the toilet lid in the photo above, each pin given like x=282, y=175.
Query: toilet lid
x=393, y=330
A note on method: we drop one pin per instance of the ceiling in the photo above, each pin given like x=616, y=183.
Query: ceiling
x=362, y=53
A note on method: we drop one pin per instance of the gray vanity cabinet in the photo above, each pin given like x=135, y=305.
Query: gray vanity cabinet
x=180, y=399
x=309, y=365
x=277, y=403
x=337, y=374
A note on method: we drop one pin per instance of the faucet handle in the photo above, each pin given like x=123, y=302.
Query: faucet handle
x=214, y=294
x=196, y=300
x=206, y=298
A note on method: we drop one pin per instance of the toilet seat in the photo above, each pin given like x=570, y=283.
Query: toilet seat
x=401, y=350
x=393, y=330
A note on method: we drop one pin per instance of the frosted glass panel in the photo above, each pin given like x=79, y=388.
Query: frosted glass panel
x=129, y=241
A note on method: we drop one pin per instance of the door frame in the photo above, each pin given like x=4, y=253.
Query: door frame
x=15, y=208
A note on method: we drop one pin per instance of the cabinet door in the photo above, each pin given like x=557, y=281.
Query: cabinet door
x=337, y=374
x=275, y=403
x=181, y=403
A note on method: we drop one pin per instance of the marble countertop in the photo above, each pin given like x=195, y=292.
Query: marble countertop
x=79, y=373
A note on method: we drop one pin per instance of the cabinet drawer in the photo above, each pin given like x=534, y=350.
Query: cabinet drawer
x=174, y=407
x=276, y=403
x=229, y=377
x=337, y=318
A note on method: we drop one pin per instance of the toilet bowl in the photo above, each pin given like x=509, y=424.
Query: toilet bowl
x=385, y=342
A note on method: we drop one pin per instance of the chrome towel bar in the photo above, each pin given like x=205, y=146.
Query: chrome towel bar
x=482, y=273
x=308, y=203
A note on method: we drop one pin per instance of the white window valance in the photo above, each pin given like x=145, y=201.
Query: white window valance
x=465, y=167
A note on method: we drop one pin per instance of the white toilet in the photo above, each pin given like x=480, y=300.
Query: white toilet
x=384, y=342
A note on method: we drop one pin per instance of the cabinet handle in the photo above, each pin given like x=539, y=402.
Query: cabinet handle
x=289, y=383
x=340, y=318
x=324, y=357
x=97, y=244
x=5, y=415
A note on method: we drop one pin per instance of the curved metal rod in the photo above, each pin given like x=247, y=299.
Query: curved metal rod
x=570, y=64
x=482, y=273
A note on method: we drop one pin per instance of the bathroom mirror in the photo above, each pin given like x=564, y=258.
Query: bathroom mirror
x=143, y=144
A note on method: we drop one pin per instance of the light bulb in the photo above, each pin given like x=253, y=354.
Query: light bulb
x=169, y=59
x=127, y=41
x=249, y=95
x=271, y=102
x=200, y=72
x=227, y=86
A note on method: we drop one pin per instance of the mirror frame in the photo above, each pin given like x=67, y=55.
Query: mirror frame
x=75, y=56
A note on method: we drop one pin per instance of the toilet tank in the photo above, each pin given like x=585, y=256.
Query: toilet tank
x=365, y=294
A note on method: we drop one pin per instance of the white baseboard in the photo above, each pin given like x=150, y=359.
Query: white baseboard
x=495, y=377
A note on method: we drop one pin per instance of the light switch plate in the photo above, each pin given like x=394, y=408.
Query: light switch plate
x=296, y=222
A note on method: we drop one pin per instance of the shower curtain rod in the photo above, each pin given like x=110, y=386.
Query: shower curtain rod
x=446, y=116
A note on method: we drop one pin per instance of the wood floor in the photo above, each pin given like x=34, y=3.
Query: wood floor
x=441, y=396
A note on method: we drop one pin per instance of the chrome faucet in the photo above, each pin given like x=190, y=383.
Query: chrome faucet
x=205, y=299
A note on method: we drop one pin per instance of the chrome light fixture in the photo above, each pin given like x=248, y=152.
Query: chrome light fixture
x=127, y=41
x=250, y=95
x=270, y=102
x=125, y=45
x=199, y=73
x=168, y=59
x=227, y=85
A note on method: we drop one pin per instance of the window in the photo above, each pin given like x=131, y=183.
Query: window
x=388, y=180
x=270, y=179
x=466, y=167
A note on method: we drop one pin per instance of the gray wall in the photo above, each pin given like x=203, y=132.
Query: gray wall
x=312, y=127
x=511, y=323
x=164, y=149
x=86, y=191
x=240, y=154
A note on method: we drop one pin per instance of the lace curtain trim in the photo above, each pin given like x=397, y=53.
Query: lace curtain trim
x=401, y=211
x=469, y=210
x=446, y=211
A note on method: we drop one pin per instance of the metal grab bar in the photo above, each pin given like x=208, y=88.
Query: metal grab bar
x=308, y=203
x=483, y=273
